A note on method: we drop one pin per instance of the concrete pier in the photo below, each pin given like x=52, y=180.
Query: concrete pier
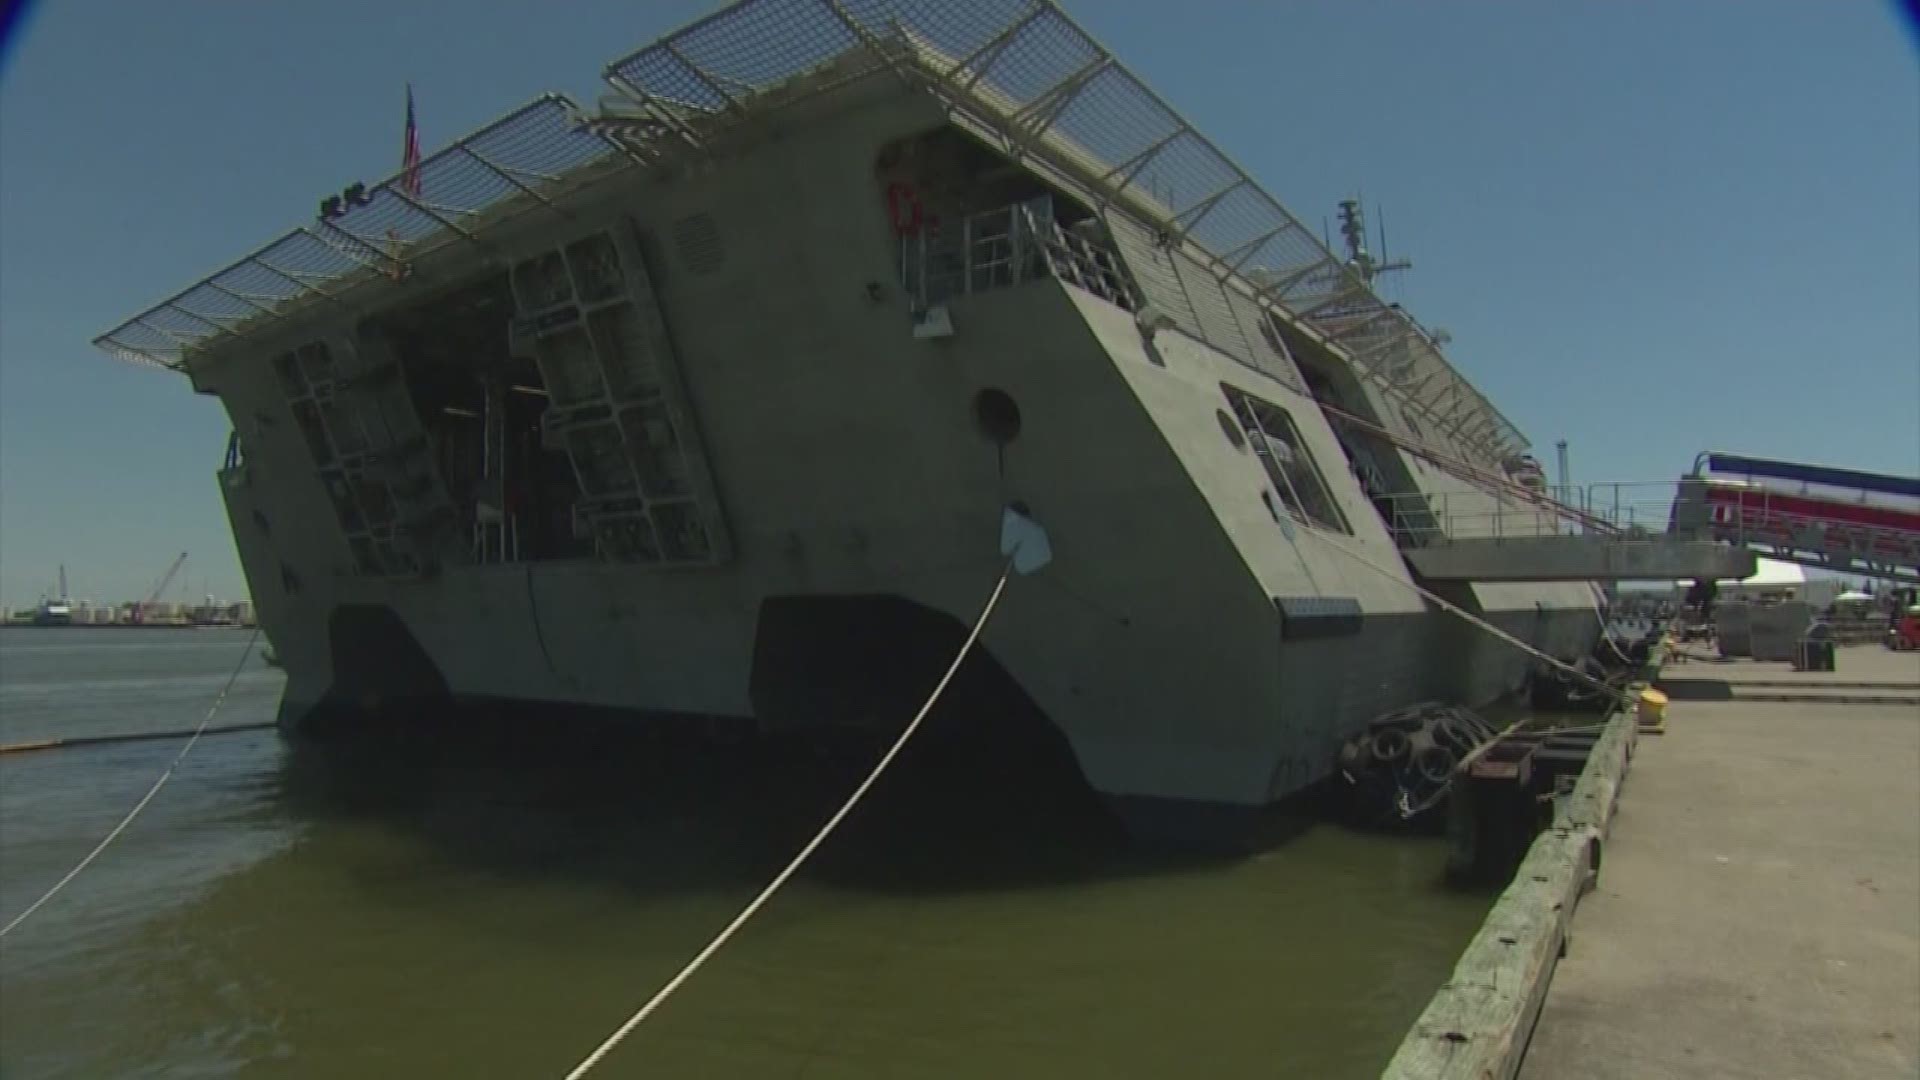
x=1758, y=914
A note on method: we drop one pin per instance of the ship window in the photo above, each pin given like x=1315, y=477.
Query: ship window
x=1289, y=464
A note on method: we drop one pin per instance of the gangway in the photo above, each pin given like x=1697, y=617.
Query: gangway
x=1714, y=523
x=1490, y=534
x=1845, y=520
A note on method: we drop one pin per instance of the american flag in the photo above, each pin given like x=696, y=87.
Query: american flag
x=410, y=156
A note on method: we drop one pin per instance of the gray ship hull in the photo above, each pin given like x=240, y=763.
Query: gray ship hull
x=801, y=382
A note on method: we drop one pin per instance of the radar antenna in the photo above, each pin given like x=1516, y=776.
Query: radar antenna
x=1353, y=227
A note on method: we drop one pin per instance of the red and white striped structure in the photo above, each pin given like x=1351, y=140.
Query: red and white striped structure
x=1842, y=519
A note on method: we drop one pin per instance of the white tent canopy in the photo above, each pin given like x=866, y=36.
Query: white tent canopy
x=1769, y=573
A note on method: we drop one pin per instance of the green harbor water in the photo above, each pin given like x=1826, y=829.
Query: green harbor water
x=496, y=908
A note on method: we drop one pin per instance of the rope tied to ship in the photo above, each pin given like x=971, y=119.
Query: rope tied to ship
x=1026, y=548
x=1477, y=474
x=1403, y=800
x=167, y=774
x=726, y=934
x=1456, y=610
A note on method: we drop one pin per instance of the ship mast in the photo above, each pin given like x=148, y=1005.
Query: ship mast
x=1353, y=228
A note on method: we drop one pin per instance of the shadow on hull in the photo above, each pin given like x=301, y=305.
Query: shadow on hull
x=987, y=797
x=673, y=803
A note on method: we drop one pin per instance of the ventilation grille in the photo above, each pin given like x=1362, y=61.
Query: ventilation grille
x=698, y=240
x=1307, y=617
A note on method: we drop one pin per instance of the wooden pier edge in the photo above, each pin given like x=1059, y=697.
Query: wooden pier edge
x=1479, y=1022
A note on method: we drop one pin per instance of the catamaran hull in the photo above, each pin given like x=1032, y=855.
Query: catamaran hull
x=722, y=419
x=1202, y=659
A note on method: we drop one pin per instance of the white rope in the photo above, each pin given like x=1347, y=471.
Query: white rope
x=726, y=934
x=1553, y=506
x=144, y=799
x=1470, y=617
x=720, y=939
x=1475, y=474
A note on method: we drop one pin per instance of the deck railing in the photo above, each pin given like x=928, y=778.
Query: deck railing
x=519, y=163
x=1027, y=72
x=1421, y=518
x=1004, y=247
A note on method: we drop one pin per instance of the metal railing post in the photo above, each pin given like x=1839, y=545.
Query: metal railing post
x=966, y=254
x=1015, y=245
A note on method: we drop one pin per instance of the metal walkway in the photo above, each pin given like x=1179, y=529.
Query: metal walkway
x=1712, y=524
x=1581, y=558
x=1484, y=535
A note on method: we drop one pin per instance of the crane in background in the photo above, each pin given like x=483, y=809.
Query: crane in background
x=138, y=614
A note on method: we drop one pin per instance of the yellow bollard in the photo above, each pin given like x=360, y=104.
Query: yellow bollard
x=1653, y=711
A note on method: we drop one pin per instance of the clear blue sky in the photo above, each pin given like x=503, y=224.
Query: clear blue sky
x=1651, y=229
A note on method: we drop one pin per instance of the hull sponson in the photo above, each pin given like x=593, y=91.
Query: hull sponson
x=847, y=461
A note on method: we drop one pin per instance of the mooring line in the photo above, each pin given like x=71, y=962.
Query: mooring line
x=780, y=879
x=719, y=940
x=218, y=700
x=1553, y=506
x=1470, y=617
x=1457, y=465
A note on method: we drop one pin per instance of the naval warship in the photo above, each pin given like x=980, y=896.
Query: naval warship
x=709, y=400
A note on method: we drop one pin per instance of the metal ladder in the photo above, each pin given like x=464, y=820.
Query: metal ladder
x=589, y=316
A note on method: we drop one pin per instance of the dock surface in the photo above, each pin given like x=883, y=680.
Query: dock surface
x=1758, y=910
